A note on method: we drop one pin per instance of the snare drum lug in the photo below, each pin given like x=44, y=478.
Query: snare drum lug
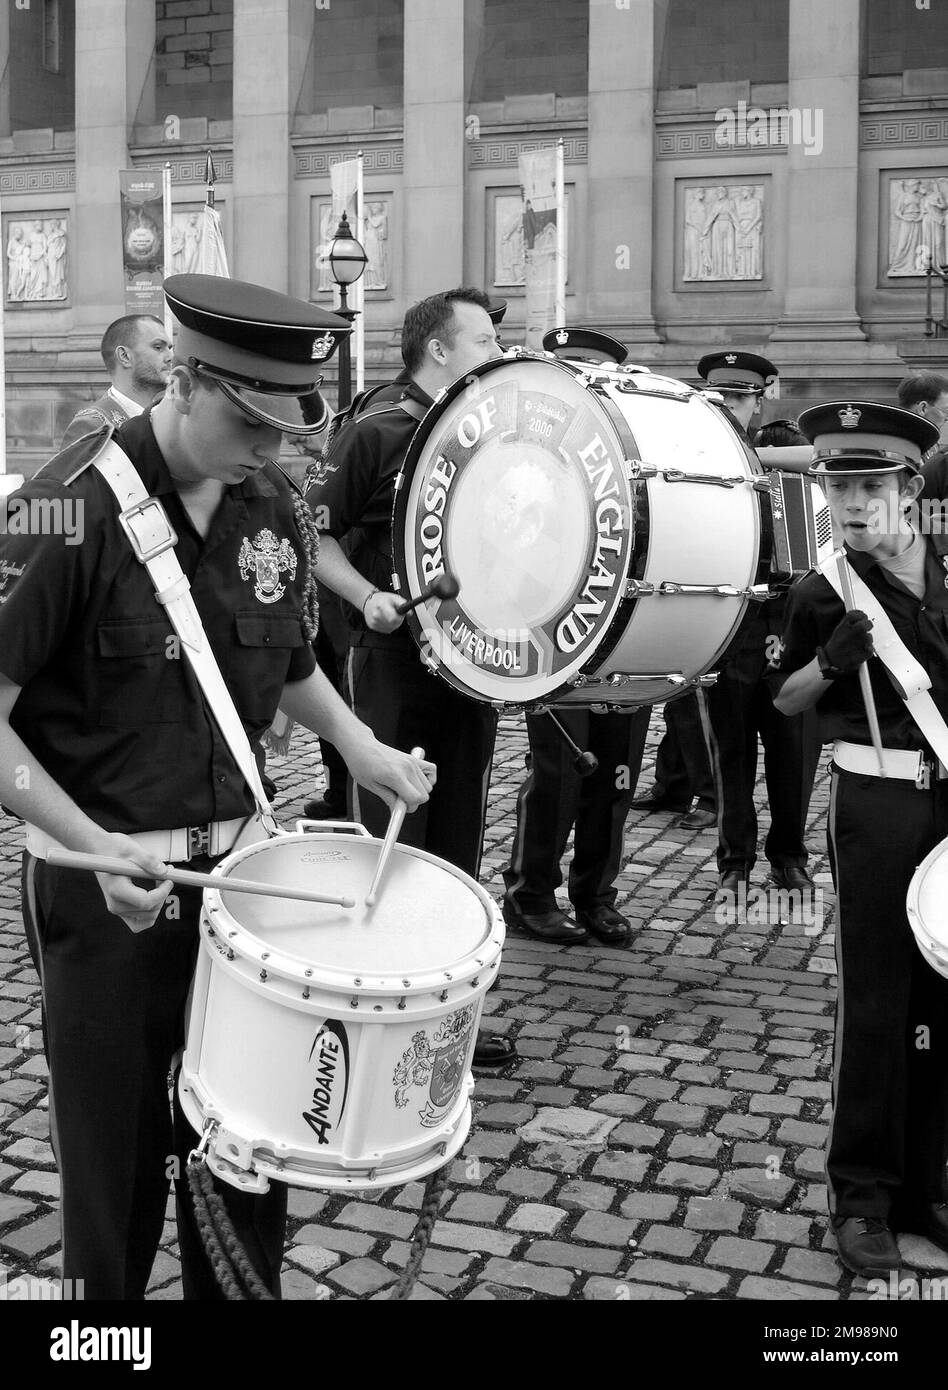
x=306, y=992
x=758, y=593
x=443, y=996
x=635, y=469
x=308, y=974
x=638, y=588
x=401, y=1003
x=263, y=976
x=231, y=955
x=357, y=982
x=760, y=484
x=710, y=678
x=353, y=1003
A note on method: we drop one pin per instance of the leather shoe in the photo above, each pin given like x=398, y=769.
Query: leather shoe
x=493, y=1050
x=730, y=885
x=603, y=922
x=545, y=926
x=866, y=1245
x=322, y=809
x=656, y=800
x=698, y=819
x=792, y=877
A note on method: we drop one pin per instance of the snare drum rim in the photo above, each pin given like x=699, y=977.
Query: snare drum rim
x=611, y=633
x=253, y=949
x=929, y=946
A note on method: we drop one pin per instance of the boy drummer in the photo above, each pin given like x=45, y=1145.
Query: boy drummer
x=889, y=1130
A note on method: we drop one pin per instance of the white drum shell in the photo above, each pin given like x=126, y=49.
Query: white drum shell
x=925, y=906
x=380, y=1064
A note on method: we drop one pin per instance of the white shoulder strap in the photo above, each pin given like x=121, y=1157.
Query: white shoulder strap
x=152, y=538
x=908, y=676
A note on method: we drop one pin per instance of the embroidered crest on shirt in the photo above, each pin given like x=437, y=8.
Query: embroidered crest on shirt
x=266, y=560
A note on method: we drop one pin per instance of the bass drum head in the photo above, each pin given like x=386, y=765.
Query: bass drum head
x=515, y=485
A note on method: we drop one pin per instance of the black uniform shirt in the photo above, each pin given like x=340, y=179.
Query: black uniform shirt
x=354, y=490
x=814, y=612
x=109, y=704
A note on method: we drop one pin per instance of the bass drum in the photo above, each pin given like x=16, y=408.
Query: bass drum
x=606, y=528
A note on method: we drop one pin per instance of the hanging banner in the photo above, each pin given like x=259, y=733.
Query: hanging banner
x=142, y=194
x=544, y=242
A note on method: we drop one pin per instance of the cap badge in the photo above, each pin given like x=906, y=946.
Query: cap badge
x=562, y=337
x=321, y=346
x=730, y=358
x=267, y=559
x=849, y=417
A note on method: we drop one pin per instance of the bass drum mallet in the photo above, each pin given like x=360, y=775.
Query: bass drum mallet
x=441, y=587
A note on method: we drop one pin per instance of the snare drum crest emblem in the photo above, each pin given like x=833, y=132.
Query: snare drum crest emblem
x=435, y=1063
x=267, y=559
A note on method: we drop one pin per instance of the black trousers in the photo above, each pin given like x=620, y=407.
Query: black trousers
x=682, y=766
x=406, y=706
x=113, y=1020
x=889, y=1133
x=740, y=708
x=554, y=798
x=330, y=649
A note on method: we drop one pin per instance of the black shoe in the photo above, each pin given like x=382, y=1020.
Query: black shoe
x=867, y=1245
x=493, y=1050
x=792, y=877
x=324, y=810
x=603, y=922
x=698, y=819
x=545, y=926
x=656, y=800
x=730, y=886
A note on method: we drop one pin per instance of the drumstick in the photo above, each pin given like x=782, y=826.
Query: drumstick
x=103, y=864
x=865, y=685
x=388, y=844
x=443, y=586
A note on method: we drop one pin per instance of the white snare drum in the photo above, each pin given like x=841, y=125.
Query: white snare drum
x=604, y=525
x=927, y=907
x=332, y=1047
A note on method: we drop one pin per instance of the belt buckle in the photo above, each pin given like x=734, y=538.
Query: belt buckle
x=923, y=778
x=199, y=841
x=138, y=514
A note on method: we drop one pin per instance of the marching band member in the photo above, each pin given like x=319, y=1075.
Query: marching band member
x=107, y=746
x=888, y=1137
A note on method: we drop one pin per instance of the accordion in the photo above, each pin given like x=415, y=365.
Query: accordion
x=803, y=534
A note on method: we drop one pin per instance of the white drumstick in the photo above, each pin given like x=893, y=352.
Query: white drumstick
x=399, y=811
x=865, y=684
x=103, y=864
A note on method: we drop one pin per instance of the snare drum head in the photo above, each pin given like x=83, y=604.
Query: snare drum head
x=515, y=484
x=428, y=915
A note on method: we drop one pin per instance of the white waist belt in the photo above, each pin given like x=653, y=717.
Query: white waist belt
x=900, y=763
x=171, y=846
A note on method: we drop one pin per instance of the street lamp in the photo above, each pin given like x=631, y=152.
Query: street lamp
x=347, y=261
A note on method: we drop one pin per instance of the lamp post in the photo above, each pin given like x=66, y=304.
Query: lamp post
x=347, y=261
x=935, y=327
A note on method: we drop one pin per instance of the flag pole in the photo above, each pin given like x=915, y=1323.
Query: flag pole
x=166, y=227
x=3, y=396
x=210, y=178
x=359, y=296
x=559, y=315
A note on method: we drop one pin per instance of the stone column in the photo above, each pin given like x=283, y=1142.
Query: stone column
x=271, y=43
x=111, y=39
x=823, y=172
x=621, y=167
x=433, y=179
x=4, y=70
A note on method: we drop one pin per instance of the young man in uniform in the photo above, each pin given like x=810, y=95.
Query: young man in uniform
x=137, y=357
x=740, y=705
x=107, y=746
x=888, y=1137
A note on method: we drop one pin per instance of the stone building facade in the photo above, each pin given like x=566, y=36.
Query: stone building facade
x=763, y=173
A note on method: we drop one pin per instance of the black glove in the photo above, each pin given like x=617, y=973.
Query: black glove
x=851, y=642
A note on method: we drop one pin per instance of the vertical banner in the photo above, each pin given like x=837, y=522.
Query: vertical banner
x=544, y=242
x=143, y=199
x=213, y=255
x=346, y=179
x=3, y=393
x=166, y=209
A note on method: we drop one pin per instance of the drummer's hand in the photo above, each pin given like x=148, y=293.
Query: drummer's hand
x=381, y=612
x=389, y=774
x=138, y=907
x=851, y=641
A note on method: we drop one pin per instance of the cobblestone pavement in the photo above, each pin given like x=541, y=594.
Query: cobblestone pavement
x=660, y=1137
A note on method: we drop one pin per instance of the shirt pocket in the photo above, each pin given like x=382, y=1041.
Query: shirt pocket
x=260, y=661
x=141, y=675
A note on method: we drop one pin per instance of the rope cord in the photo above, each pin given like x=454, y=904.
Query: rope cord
x=421, y=1236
